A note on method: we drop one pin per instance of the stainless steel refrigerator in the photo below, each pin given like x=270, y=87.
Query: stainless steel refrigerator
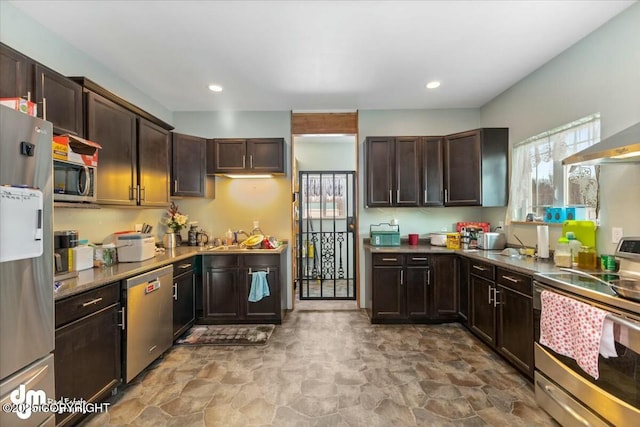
x=26, y=266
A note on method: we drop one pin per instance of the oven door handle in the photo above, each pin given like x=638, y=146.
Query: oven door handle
x=548, y=390
x=624, y=322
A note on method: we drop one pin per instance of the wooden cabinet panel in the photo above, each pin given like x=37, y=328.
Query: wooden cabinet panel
x=16, y=75
x=483, y=318
x=462, y=170
x=188, y=165
x=114, y=128
x=268, y=307
x=432, y=172
x=230, y=155
x=380, y=163
x=515, y=329
x=417, y=292
x=153, y=164
x=388, y=293
x=266, y=155
x=221, y=294
x=60, y=101
x=407, y=171
x=183, y=296
x=463, y=289
x=444, y=284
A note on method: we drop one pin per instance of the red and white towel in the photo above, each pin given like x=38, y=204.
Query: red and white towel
x=575, y=329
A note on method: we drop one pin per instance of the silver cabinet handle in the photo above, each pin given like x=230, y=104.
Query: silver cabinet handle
x=511, y=279
x=390, y=259
x=153, y=348
x=428, y=277
x=175, y=291
x=418, y=259
x=175, y=185
x=138, y=194
x=44, y=108
x=251, y=161
x=142, y=193
x=398, y=195
x=425, y=196
x=28, y=95
x=390, y=196
x=446, y=196
x=548, y=390
x=92, y=302
x=479, y=267
x=401, y=277
x=496, y=292
x=123, y=321
x=183, y=266
x=243, y=161
x=490, y=300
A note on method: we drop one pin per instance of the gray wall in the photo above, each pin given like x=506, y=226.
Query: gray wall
x=601, y=73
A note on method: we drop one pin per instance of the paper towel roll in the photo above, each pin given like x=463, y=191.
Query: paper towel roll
x=543, y=241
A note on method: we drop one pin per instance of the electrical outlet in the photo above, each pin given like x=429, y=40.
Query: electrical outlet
x=616, y=234
x=137, y=227
x=501, y=225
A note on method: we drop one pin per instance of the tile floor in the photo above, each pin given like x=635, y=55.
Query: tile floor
x=326, y=365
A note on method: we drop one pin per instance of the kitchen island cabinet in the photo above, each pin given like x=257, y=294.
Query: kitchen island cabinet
x=87, y=347
x=413, y=287
x=227, y=283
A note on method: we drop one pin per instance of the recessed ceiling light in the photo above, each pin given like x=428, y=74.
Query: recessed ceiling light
x=432, y=85
x=215, y=88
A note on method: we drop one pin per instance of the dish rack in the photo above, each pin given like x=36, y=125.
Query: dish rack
x=384, y=234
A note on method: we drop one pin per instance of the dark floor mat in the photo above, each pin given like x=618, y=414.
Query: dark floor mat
x=227, y=335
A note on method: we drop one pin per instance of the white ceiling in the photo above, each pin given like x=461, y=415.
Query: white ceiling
x=322, y=55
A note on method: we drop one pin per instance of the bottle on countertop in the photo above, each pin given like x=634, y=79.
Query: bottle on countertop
x=193, y=234
x=574, y=246
x=229, y=238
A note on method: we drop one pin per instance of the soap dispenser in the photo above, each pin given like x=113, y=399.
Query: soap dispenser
x=256, y=229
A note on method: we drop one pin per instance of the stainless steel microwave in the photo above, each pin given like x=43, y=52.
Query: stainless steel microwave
x=73, y=182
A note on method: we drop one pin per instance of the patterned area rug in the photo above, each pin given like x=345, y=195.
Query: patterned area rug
x=227, y=335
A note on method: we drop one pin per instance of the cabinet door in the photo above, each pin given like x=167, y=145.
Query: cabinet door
x=462, y=169
x=515, y=328
x=388, y=293
x=183, y=303
x=153, y=164
x=59, y=101
x=379, y=164
x=266, y=155
x=87, y=358
x=114, y=128
x=444, y=285
x=407, y=171
x=268, y=308
x=463, y=289
x=16, y=75
x=432, y=174
x=483, y=318
x=188, y=165
x=221, y=294
x=417, y=289
x=230, y=155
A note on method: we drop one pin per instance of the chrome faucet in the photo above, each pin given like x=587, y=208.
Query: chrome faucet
x=238, y=232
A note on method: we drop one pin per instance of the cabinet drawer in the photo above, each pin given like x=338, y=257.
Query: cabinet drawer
x=261, y=260
x=77, y=306
x=219, y=261
x=482, y=269
x=516, y=281
x=417, y=259
x=186, y=265
x=388, y=259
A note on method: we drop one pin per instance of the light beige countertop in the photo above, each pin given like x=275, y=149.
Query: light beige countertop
x=526, y=265
x=95, y=277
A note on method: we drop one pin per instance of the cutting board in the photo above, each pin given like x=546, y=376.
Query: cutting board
x=585, y=231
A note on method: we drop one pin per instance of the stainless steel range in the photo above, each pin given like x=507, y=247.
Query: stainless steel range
x=564, y=389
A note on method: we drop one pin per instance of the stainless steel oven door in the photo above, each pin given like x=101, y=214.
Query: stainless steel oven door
x=615, y=395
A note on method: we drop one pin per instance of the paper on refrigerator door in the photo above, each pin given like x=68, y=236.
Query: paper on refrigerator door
x=20, y=223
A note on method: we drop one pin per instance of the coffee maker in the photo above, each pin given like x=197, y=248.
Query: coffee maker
x=63, y=242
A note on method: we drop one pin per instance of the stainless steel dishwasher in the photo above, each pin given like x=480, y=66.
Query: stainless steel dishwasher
x=147, y=319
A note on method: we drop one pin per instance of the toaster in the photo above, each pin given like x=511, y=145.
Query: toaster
x=491, y=241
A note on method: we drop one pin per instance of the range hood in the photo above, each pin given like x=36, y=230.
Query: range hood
x=623, y=147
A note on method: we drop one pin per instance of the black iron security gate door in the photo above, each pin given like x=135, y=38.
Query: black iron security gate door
x=326, y=244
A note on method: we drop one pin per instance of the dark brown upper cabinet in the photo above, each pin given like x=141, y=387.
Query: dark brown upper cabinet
x=432, y=171
x=153, y=164
x=476, y=168
x=188, y=165
x=58, y=99
x=393, y=171
x=247, y=156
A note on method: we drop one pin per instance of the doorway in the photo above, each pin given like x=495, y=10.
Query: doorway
x=326, y=267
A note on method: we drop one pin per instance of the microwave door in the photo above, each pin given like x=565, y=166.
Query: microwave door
x=84, y=181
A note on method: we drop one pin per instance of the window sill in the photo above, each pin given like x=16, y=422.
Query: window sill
x=552, y=224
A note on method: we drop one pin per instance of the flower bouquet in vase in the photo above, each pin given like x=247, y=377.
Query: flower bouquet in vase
x=175, y=221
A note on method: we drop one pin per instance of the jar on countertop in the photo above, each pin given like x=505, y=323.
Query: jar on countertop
x=562, y=255
x=587, y=258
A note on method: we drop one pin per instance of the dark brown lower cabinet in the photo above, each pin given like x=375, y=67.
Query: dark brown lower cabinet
x=87, y=347
x=463, y=290
x=183, y=296
x=226, y=287
x=502, y=313
x=410, y=287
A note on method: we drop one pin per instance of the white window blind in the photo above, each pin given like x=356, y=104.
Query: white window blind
x=538, y=178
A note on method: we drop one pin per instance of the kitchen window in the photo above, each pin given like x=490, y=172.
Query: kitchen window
x=538, y=178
